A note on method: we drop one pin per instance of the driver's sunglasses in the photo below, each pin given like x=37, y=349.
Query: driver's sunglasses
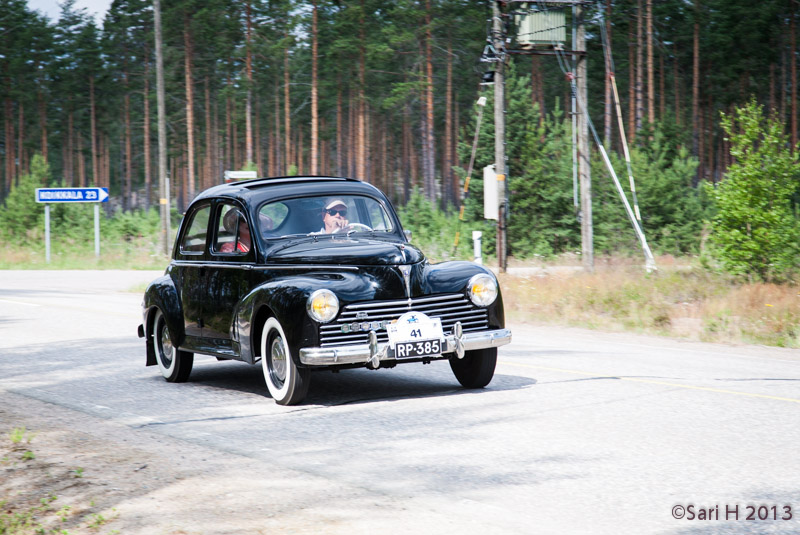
x=332, y=211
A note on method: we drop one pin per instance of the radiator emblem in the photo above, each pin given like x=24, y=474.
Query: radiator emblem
x=406, y=271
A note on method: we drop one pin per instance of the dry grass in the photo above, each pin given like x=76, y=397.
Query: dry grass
x=681, y=299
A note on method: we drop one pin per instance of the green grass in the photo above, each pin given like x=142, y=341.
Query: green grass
x=139, y=253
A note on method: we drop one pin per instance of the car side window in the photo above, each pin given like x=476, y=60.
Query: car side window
x=233, y=232
x=194, y=241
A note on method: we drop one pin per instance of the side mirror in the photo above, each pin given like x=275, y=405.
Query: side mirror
x=408, y=235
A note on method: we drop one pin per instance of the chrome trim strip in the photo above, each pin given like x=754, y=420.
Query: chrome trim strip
x=294, y=266
x=360, y=354
x=225, y=265
x=404, y=302
x=256, y=267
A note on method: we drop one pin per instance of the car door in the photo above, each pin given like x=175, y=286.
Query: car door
x=231, y=258
x=189, y=272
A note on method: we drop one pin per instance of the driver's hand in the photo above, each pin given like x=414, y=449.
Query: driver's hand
x=344, y=223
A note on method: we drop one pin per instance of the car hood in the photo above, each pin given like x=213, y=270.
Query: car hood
x=355, y=251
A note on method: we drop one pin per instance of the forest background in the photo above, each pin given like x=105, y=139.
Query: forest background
x=386, y=91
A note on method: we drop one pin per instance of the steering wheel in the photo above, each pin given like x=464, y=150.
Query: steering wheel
x=358, y=226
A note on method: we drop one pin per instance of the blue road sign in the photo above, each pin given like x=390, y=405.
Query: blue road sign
x=48, y=195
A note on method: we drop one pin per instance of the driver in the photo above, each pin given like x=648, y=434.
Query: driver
x=334, y=217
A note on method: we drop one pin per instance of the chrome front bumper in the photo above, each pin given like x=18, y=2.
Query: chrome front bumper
x=373, y=353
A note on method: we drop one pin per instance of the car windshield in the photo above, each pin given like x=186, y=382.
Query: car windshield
x=330, y=214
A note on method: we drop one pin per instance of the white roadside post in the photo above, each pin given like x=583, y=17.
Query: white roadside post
x=47, y=232
x=476, y=245
x=97, y=230
x=71, y=195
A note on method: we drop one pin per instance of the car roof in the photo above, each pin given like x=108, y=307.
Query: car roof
x=260, y=189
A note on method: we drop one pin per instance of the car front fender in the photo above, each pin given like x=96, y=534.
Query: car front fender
x=285, y=299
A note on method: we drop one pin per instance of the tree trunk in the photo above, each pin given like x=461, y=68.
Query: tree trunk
x=314, y=103
x=700, y=145
x=248, y=134
x=339, y=134
x=352, y=134
x=207, y=179
x=236, y=152
x=271, y=154
x=639, y=65
x=675, y=80
x=782, y=92
x=299, y=150
x=406, y=156
x=148, y=175
x=661, y=81
x=8, y=119
x=128, y=146
x=324, y=151
x=428, y=137
x=361, y=141
x=793, y=81
x=710, y=137
x=651, y=86
x=696, y=82
x=228, y=157
x=448, y=197
x=772, y=106
x=43, y=124
x=287, y=126
x=81, y=162
x=279, y=168
x=70, y=178
x=257, y=139
x=21, y=140
x=187, y=61
x=631, y=82
x=608, y=114
x=93, y=130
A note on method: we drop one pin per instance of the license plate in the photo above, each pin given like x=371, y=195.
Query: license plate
x=423, y=348
x=414, y=334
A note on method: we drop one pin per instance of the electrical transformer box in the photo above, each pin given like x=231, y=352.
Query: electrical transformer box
x=540, y=28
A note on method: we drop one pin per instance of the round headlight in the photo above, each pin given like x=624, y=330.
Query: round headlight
x=322, y=306
x=482, y=289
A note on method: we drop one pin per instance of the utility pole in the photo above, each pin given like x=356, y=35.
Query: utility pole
x=163, y=183
x=584, y=169
x=498, y=41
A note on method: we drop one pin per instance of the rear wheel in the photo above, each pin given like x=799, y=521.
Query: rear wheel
x=175, y=365
x=476, y=369
x=287, y=384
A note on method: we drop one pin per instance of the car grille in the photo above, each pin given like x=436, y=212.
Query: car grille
x=450, y=308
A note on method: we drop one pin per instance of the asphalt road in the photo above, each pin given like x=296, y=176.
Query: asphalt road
x=579, y=432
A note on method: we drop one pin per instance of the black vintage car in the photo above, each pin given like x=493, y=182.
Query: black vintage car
x=314, y=273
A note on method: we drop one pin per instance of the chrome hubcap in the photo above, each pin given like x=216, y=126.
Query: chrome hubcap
x=166, y=347
x=278, y=361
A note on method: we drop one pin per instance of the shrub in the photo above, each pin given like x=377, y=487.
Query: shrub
x=754, y=233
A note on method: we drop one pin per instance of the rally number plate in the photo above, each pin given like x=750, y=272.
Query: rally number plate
x=414, y=334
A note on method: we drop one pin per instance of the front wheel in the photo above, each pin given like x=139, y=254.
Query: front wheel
x=175, y=365
x=476, y=369
x=287, y=384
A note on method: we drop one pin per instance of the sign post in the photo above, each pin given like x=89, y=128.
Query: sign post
x=50, y=195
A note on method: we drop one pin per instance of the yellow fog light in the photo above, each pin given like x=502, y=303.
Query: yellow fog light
x=322, y=306
x=482, y=289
